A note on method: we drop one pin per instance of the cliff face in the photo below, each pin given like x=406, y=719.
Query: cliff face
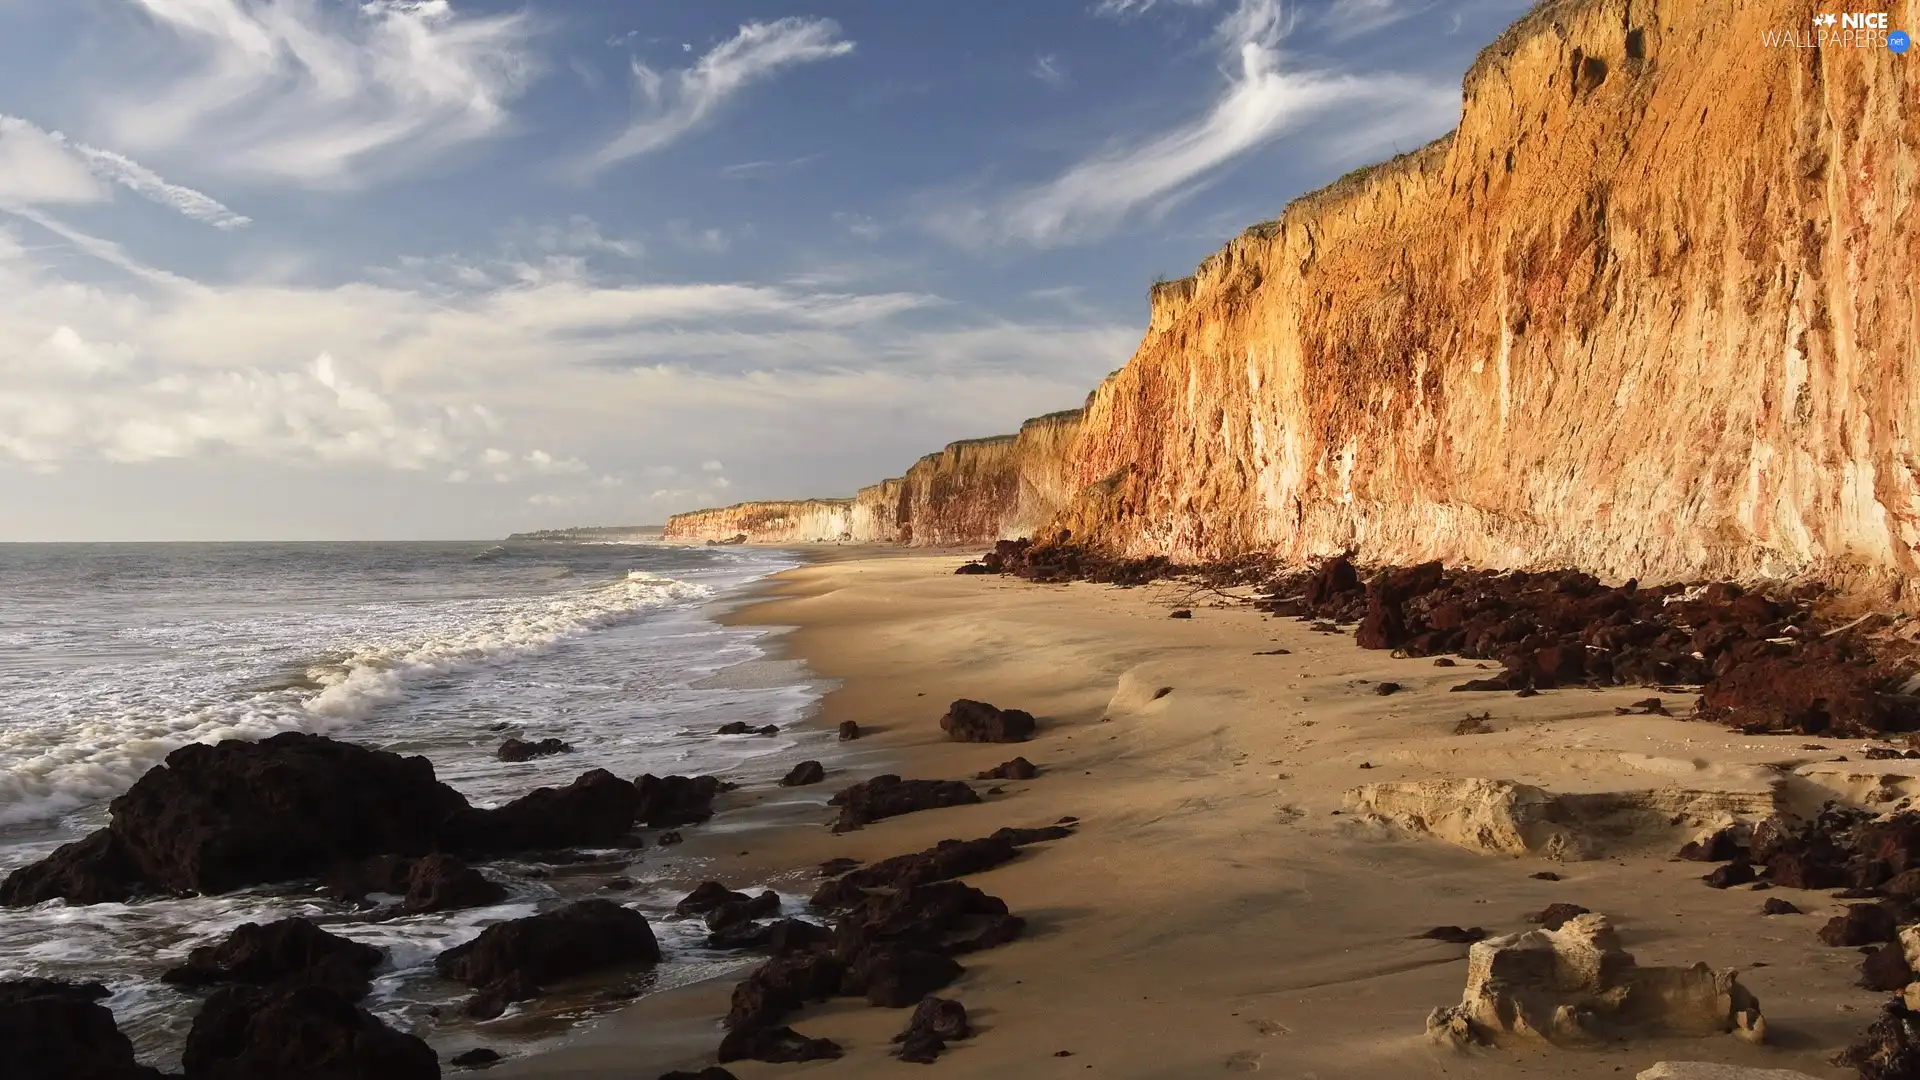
x=1652, y=310
x=801, y=522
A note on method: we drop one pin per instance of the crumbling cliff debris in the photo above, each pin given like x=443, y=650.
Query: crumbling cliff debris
x=1576, y=984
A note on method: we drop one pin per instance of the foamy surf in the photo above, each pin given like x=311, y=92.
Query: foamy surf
x=91, y=750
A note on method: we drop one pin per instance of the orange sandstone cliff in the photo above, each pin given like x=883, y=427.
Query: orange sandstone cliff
x=1652, y=310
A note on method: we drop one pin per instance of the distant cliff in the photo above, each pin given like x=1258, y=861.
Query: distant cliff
x=1652, y=310
x=804, y=521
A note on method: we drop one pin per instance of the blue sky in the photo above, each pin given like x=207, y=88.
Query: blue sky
x=308, y=269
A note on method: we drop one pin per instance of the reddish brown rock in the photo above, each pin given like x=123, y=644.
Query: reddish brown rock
x=935, y=1022
x=1554, y=916
x=298, y=1033
x=1017, y=769
x=888, y=796
x=1863, y=924
x=849, y=731
x=779, y=1046
x=515, y=960
x=779, y=987
x=894, y=978
x=59, y=1031
x=291, y=951
x=1890, y=1050
x=977, y=721
x=807, y=772
x=1885, y=969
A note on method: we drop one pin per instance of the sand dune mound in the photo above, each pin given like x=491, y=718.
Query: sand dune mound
x=1505, y=817
x=1577, y=984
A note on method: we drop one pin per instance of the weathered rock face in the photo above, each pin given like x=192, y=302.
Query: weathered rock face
x=298, y=1033
x=803, y=521
x=59, y=1031
x=1647, y=312
x=1577, y=984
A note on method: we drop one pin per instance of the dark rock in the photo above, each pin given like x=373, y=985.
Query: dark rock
x=1023, y=837
x=1444, y=661
x=849, y=731
x=940, y=916
x=431, y=883
x=668, y=802
x=522, y=750
x=707, y=896
x=779, y=1046
x=888, y=796
x=1386, y=688
x=807, y=772
x=58, y=1031
x=598, y=809
x=1885, y=969
x=944, y=861
x=1863, y=924
x=973, y=568
x=934, y=1023
x=298, y=1033
x=1474, y=725
x=1526, y=691
x=780, y=938
x=836, y=867
x=618, y=884
x=1385, y=624
x=217, y=817
x=1456, y=935
x=1723, y=846
x=292, y=951
x=670, y=838
x=1180, y=613
x=514, y=960
x=1554, y=916
x=1544, y=875
x=1890, y=1050
x=1777, y=906
x=781, y=986
x=711, y=1072
x=894, y=978
x=1017, y=769
x=977, y=721
x=1734, y=873
x=1905, y=885
x=740, y=728
x=477, y=1058
x=736, y=913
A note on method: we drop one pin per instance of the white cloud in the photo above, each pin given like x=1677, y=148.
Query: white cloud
x=859, y=225
x=676, y=103
x=45, y=167
x=38, y=167
x=712, y=467
x=1049, y=70
x=1126, y=9
x=1347, y=19
x=1260, y=102
x=321, y=94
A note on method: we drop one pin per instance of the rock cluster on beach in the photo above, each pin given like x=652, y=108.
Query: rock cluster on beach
x=515, y=960
x=218, y=817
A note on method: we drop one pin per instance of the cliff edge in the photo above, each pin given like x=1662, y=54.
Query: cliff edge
x=1651, y=310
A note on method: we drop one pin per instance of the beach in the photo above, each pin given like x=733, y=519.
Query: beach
x=1223, y=906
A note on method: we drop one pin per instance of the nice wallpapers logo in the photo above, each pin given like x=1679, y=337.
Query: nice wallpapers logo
x=1842, y=30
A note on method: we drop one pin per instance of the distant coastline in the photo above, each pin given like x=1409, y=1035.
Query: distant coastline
x=596, y=532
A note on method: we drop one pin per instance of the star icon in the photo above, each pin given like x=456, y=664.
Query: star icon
x=1830, y=18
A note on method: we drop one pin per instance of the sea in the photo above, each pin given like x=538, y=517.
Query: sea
x=112, y=655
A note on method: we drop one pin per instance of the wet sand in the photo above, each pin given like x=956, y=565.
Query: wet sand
x=1222, y=910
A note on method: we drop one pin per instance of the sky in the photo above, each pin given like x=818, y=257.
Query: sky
x=449, y=269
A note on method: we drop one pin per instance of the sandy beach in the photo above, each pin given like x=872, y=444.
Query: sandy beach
x=1222, y=909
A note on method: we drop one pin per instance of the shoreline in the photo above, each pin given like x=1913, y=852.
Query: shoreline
x=1220, y=909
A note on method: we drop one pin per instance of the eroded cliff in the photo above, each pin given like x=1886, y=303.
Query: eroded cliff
x=1652, y=310
x=796, y=522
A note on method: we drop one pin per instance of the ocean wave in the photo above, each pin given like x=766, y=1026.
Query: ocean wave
x=51, y=765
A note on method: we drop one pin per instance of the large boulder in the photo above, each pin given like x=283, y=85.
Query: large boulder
x=782, y=985
x=934, y=1023
x=888, y=796
x=217, y=817
x=291, y=951
x=976, y=721
x=598, y=808
x=298, y=1033
x=60, y=1031
x=778, y=1045
x=670, y=801
x=940, y=916
x=515, y=960
x=1576, y=984
x=432, y=883
x=1890, y=1050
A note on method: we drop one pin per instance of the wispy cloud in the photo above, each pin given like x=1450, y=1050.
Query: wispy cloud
x=42, y=167
x=671, y=105
x=1260, y=102
x=1126, y=9
x=1348, y=19
x=1049, y=70
x=322, y=94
